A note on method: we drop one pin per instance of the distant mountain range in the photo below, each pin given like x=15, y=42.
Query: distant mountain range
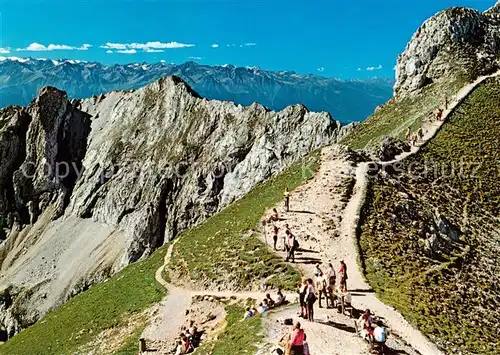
x=345, y=100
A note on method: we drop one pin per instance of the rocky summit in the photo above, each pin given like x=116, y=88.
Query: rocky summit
x=346, y=100
x=87, y=186
x=454, y=37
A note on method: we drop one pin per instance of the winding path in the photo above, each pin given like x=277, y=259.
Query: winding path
x=320, y=195
x=351, y=221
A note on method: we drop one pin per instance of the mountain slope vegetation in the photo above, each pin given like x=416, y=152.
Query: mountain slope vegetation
x=430, y=233
x=75, y=324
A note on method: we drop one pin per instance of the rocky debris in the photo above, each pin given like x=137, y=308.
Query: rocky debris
x=391, y=147
x=454, y=36
x=139, y=167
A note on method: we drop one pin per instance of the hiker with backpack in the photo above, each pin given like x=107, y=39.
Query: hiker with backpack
x=322, y=287
x=302, y=290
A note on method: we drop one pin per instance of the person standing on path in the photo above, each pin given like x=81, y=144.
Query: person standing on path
x=286, y=194
x=408, y=134
x=297, y=340
x=310, y=299
x=275, y=236
x=285, y=242
x=292, y=246
x=343, y=275
x=302, y=290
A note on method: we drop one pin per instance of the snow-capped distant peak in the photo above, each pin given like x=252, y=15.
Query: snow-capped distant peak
x=15, y=59
x=144, y=67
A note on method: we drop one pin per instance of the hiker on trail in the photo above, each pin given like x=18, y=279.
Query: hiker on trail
x=263, y=307
x=275, y=216
x=330, y=275
x=302, y=289
x=270, y=301
x=420, y=133
x=379, y=333
x=343, y=275
x=439, y=114
x=317, y=271
x=292, y=246
x=310, y=299
x=414, y=139
x=345, y=299
x=446, y=102
x=366, y=321
x=286, y=194
x=322, y=288
x=408, y=134
x=275, y=236
x=285, y=242
x=180, y=348
x=297, y=340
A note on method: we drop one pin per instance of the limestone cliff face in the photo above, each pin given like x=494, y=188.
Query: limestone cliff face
x=88, y=186
x=454, y=37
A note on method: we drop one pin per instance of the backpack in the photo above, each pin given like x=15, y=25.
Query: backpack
x=311, y=297
x=295, y=244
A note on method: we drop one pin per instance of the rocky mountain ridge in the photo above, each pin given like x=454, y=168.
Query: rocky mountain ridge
x=87, y=186
x=346, y=100
x=456, y=36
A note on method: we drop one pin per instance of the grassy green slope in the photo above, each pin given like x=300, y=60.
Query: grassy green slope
x=225, y=249
x=451, y=294
x=102, y=307
x=74, y=325
x=393, y=118
x=239, y=337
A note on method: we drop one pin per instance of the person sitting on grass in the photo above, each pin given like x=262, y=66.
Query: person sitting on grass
x=270, y=301
x=248, y=313
x=180, y=348
x=280, y=299
x=263, y=307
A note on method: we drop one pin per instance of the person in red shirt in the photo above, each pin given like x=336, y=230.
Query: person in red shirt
x=297, y=340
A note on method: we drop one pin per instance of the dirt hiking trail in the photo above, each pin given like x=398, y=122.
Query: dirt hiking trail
x=324, y=216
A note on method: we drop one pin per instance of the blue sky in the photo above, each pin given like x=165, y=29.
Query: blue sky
x=335, y=38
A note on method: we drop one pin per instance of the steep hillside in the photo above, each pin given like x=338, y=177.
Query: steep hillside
x=449, y=50
x=430, y=234
x=90, y=315
x=347, y=101
x=88, y=186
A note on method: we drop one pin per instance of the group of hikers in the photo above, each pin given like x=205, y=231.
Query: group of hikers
x=290, y=242
x=371, y=330
x=188, y=340
x=267, y=304
x=323, y=286
x=413, y=138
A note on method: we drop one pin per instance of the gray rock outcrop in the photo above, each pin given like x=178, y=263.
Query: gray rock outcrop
x=91, y=185
x=453, y=37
